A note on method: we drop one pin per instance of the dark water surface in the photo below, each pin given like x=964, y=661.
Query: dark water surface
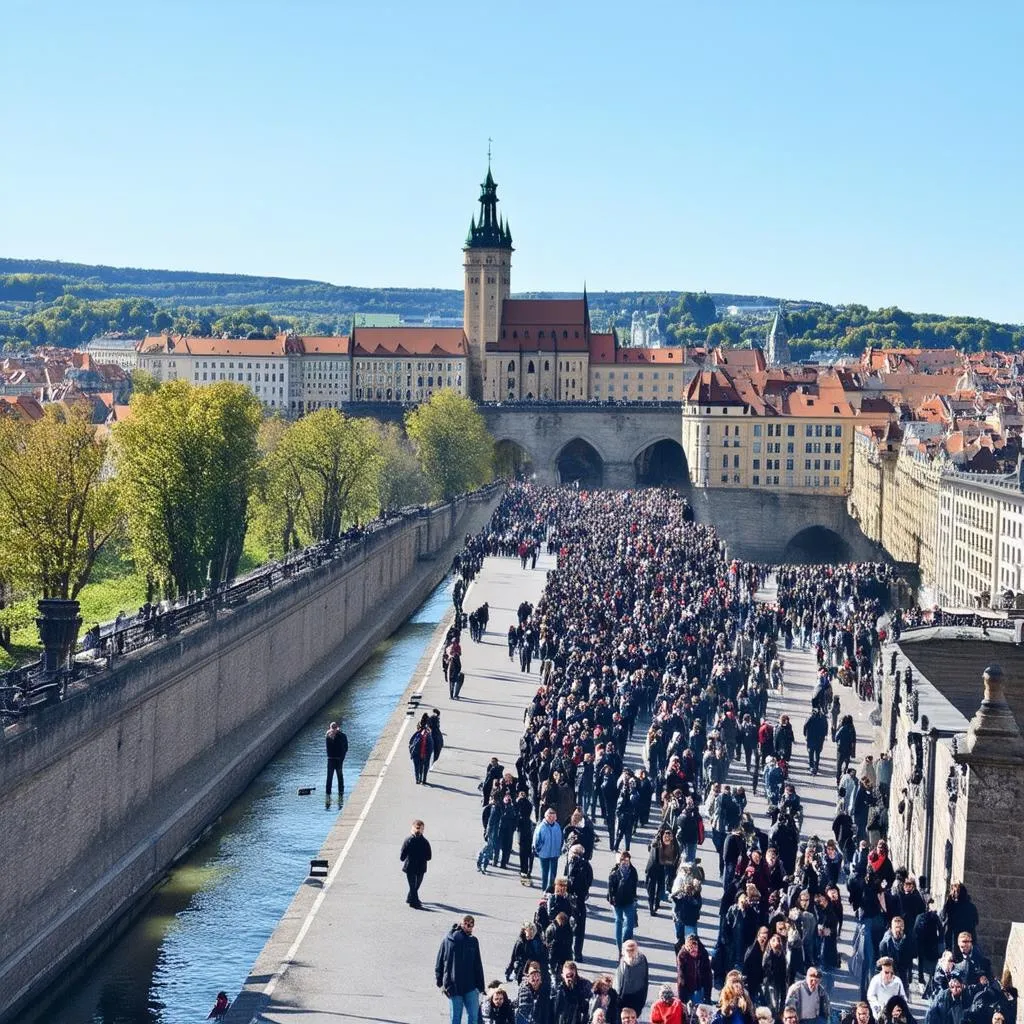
x=208, y=922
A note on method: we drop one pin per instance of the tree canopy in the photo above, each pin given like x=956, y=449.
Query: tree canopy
x=57, y=509
x=452, y=443
x=186, y=462
x=317, y=476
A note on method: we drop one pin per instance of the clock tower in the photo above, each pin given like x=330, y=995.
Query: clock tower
x=488, y=269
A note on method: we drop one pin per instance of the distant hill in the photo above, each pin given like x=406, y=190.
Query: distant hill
x=52, y=302
x=47, y=280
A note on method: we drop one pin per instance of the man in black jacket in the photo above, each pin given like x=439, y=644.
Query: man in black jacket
x=414, y=856
x=622, y=886
x=337, y=747
x=459, y=971
x=580, y=876
x=815, y=731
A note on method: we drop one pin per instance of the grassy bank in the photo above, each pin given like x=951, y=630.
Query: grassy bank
x=116, y=586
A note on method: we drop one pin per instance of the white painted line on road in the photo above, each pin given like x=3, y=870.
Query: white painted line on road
x=307, y=923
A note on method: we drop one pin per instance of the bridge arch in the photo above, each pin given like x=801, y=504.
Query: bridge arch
x=814, y=545
x=661, y=462
x=512, y=460
x=578, y=461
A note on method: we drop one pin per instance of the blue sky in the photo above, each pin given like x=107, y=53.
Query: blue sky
x=845, y=151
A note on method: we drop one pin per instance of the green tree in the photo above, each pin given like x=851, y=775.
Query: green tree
x=143, y=383
x=186, y=462
x=452, y=443
x=402, y=480
x=57, y=509
x=317, y=476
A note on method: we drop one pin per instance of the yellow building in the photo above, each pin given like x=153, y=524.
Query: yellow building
x=760, y=432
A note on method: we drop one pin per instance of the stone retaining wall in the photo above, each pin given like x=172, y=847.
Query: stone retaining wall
x=100, y=794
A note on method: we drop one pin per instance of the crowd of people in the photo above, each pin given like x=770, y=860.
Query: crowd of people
x=647, y=636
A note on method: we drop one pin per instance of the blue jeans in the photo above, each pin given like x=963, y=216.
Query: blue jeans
x=470, y=1001
x=689, y=852
x=489, y=853
x=625, y=922
x=548, y=872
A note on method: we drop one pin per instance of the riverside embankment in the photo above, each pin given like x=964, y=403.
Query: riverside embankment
x=101, y=794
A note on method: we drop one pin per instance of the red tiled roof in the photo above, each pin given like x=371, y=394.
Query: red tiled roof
x=333, y=345
x=444, y=342
x=713, y=387
x=542, y=312
x=749, y=359
x=602, y=349
x=22, y=407
x=273, y=348
x=543, y=325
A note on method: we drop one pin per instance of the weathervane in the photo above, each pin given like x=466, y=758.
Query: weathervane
x=489, y=141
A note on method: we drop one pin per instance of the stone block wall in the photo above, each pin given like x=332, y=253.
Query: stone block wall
x=992, y=868
x=101, y=793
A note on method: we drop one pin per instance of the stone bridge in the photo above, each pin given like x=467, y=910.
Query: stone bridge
x=599, y=446
x=640, y=445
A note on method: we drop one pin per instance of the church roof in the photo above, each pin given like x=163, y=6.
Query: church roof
x=544, y=325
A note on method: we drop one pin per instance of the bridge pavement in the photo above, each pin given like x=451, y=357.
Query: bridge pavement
x=351, y=950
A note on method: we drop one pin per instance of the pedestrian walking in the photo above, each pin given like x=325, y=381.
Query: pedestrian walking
x=421, y=750
x=414, y=855
x=459, y=971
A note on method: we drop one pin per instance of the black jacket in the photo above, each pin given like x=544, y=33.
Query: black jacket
x=622, y=890
x=534, y=1007
x=458, y=968
x=571, y=1004
x=580, y=876
x=337, y=745
x=415, y=853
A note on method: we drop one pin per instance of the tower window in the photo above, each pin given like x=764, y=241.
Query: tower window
x=511, y=366
x=530, y=367
x=547, y=365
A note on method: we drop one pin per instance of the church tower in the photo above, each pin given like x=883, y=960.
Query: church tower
x=488, y=266
x=776, y=350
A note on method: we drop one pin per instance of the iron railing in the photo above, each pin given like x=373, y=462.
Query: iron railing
x=24, y=689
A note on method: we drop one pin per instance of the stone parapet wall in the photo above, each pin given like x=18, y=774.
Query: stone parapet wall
x=101, y=793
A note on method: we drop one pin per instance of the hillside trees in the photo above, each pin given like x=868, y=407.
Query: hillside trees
x=186, y=464
x=452, y=443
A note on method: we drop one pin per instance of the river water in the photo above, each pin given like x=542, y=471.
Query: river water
x=208, y=922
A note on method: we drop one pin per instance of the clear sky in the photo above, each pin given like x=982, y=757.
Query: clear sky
x=845, y=151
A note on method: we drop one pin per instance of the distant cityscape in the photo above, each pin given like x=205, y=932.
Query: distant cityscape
x=924, y=443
